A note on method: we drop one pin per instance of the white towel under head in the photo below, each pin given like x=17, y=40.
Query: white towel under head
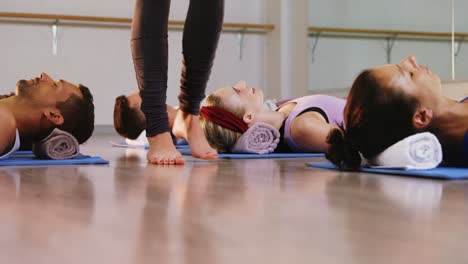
x=417, y=152
x=141, y=141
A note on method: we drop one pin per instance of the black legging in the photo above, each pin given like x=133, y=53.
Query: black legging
x=150, y=56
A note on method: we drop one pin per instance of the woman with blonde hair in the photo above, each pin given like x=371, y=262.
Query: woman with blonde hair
x=304, y=123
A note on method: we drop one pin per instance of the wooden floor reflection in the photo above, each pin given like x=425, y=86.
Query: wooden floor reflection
x=226, y=211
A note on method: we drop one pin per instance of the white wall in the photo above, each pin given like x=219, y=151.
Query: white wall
x=338, y=61
x=100, y=58
x=287, y=65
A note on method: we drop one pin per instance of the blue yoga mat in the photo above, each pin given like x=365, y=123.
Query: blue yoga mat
x=447, y=173
x=186, y=151
x=123, y=144
x=22, y=153
x=26, y=158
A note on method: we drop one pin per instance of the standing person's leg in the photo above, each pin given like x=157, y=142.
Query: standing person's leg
x=202, y=29
x=149, y=46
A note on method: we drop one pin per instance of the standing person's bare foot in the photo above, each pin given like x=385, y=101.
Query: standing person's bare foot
x=162, y=151
x=187, y=126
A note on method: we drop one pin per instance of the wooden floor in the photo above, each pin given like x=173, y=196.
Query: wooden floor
x=226, y=211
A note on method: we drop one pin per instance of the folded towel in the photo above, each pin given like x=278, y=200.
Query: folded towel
x=260, y=138
x=418, y=152
x=141, y=141
x=58, y=145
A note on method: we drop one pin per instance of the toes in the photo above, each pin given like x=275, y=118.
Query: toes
x=180, y=161
x=207, y=156
x=210, y=157
x=152, y=160
x=165, y=158
x=158, y=161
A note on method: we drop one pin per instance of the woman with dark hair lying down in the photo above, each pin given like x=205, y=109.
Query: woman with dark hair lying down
x=391, y=102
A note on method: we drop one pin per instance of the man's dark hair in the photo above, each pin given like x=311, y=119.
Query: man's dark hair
x=78, y=115
x=128, y=122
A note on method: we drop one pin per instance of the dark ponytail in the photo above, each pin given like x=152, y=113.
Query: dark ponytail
x=341, y=151
x=376, y=117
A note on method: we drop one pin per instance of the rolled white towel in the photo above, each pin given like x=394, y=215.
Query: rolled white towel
x=141, y=141
x=417, y=152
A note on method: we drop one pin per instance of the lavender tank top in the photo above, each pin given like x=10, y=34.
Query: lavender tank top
x=333, y=107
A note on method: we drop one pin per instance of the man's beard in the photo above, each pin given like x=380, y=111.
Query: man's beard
x=23, y=87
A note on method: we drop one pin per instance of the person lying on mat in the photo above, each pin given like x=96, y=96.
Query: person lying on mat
x=304, y=123
x=40, y=105
x=130, y=122
x=389, y=103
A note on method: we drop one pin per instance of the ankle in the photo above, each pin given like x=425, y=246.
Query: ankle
x=160, y=137
x=186, y=114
